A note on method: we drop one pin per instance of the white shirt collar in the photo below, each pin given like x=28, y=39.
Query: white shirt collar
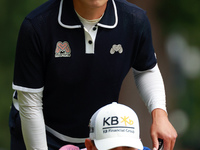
x=104, y=25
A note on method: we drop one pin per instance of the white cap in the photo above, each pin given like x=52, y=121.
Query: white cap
x=115, y=125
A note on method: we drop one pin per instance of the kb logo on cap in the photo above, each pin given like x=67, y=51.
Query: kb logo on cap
x=114, y=120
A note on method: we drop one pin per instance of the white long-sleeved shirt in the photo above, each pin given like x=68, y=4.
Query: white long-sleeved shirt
x=33, y=126
x=151, y=87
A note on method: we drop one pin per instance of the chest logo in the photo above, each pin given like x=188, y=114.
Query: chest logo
x=116, y=48
x=62, y=49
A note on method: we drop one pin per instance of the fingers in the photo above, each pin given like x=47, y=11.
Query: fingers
x=173, y=143
x=170, y=139
x=174, y=139
x=163, y=129
x=155, y=141
x=169, y=142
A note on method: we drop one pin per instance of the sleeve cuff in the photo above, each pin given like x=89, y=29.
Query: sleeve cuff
x=25, y=89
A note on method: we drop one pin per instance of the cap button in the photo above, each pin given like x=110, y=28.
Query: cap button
x=114, y=103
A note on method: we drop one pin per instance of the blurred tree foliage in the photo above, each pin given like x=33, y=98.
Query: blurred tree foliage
x=182, y=17
x=12, y=14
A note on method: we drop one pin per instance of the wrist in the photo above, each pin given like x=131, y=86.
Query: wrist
x=158, y=114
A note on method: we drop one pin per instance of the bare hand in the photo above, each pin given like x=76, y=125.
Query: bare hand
x=163, y=129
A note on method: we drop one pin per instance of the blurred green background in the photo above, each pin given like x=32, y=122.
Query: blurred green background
x=178, y=24
x=12, y=14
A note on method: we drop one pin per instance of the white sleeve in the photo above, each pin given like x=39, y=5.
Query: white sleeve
x=33, y=126
x=151, y=88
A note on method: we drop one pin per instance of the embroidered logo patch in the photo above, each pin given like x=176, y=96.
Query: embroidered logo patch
x=62, y=49
x=116, y=48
